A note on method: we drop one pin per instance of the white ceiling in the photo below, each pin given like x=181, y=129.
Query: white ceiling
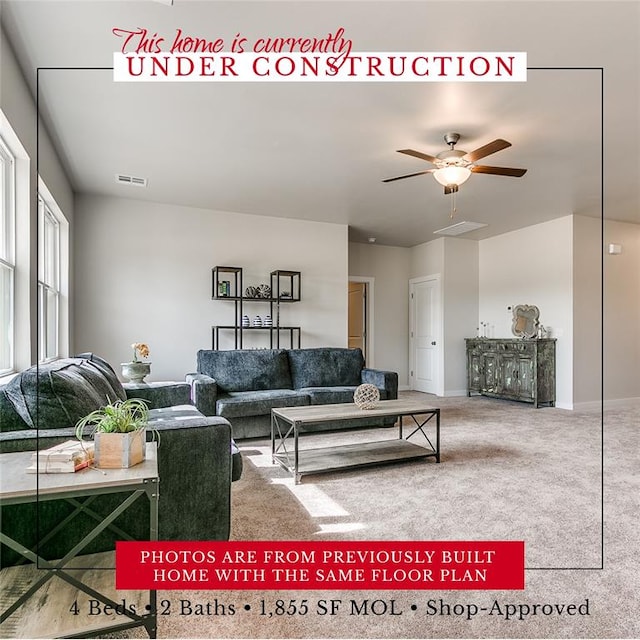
x=318, y=151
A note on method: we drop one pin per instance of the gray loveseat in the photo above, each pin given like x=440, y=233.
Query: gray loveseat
x=244, y=385
x=197, y=459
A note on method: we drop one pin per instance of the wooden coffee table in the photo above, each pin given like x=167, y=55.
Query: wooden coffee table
x=287, y=422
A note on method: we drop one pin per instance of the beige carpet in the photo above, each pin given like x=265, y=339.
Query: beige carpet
x=508, y=472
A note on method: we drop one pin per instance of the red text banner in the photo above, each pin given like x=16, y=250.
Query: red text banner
x=334, y=565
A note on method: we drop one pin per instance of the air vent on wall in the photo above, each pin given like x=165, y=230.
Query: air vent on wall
x=460, y=227
x=132, y=181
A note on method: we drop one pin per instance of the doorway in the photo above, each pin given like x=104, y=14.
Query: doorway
x=360, y=316
x=425, y=351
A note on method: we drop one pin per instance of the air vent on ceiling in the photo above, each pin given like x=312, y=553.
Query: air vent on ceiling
x=460, y=227
x=130, y=180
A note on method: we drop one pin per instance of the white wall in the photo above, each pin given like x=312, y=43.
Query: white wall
x=389, y=267
x=534, y=266
x=144, y=275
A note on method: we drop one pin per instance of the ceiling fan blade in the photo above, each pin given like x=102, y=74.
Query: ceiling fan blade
x=418, y=154
x=499, y=171
x=410, y=175
x=487, y=150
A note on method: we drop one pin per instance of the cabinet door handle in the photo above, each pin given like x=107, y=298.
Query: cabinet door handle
x=433, y=344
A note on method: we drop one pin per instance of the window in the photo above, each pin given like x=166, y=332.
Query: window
x=7, y=258
x=48, y=282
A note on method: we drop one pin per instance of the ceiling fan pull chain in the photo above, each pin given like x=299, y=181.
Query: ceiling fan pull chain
x=453, y=205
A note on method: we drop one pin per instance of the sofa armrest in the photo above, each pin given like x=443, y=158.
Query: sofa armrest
x=33, y=439
x=204, y=392
x=160, y=394
x=386, y=381
x=195, y=467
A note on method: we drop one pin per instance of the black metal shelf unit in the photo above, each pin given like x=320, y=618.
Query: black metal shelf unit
x=284, y=288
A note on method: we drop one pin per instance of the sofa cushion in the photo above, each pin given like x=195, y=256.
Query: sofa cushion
x=256, y=403
x=329, y=395
x=325, y=367
x=110, y=376
x=159, y=394
x=57, y=394
x=246, y=369
x=182, y=412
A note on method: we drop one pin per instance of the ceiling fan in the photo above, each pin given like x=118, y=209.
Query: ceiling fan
x=453, y=167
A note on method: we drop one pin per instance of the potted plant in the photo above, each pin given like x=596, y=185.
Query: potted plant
x=137, y=369
x=119, y=433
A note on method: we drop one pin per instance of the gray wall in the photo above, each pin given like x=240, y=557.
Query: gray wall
x=622, y=312
x=144, y=275
x=460, y=304
x=534, y=266
x=555, y=265
x=389, y=267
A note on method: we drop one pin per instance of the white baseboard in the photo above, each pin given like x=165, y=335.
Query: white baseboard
x=608, y=404
x=454, y=393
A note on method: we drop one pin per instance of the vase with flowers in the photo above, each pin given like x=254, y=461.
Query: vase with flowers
x=139, y=367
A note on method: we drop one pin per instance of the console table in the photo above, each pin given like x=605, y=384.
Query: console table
x=287, y=422
x=513, y=369
x=29, y=616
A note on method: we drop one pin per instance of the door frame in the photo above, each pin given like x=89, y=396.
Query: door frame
x=439, y=337
x=370, y=341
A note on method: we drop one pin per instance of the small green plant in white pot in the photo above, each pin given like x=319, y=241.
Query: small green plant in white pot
x=119, y=433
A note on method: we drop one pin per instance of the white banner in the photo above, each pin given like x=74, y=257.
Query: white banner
x=464, y=66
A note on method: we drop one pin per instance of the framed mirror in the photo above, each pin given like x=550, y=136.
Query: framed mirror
x=525, y=321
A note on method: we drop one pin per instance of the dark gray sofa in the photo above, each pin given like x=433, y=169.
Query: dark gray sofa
x=244, y=385
x=197, y=459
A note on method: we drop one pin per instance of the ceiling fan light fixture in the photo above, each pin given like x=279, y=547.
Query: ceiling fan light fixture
x=452, y=174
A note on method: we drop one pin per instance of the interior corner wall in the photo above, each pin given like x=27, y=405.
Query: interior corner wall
x=455, y=260
x=389, y=267
x=534, y=266
x=587, y=304
x=427, y=259
x=622, y=312
x=460, y=310
x=144, y=275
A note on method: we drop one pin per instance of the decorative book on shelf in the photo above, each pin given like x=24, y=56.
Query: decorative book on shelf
x=65, y=457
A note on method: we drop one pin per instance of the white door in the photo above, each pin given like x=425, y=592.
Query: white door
x=424, y=337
